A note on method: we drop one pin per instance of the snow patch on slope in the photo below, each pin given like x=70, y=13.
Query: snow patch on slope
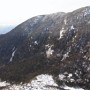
x=62, y=31
x=49, y=52
x=65, y=56
x=72, y=88
x=65, y=21
x=37, y=18
x=61, y=76
x=86, y=11
x=36, y=43
x=12, y=55
x=72, y=27
x=4, y=83
x=42, y=81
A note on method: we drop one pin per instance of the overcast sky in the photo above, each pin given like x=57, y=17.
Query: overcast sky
x=16, y=11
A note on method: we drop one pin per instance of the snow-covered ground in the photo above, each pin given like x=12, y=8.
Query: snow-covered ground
x=71, y=88
x=40, y=82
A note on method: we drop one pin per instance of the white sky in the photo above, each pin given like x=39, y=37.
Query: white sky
x=16, y=11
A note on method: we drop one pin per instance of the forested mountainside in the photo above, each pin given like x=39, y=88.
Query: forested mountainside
x=56, y=44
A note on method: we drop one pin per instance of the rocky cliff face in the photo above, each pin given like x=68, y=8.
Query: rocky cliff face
x=56, y=44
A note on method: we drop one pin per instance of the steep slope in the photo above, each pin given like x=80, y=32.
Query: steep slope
x=56, y=44
x=15, y=38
